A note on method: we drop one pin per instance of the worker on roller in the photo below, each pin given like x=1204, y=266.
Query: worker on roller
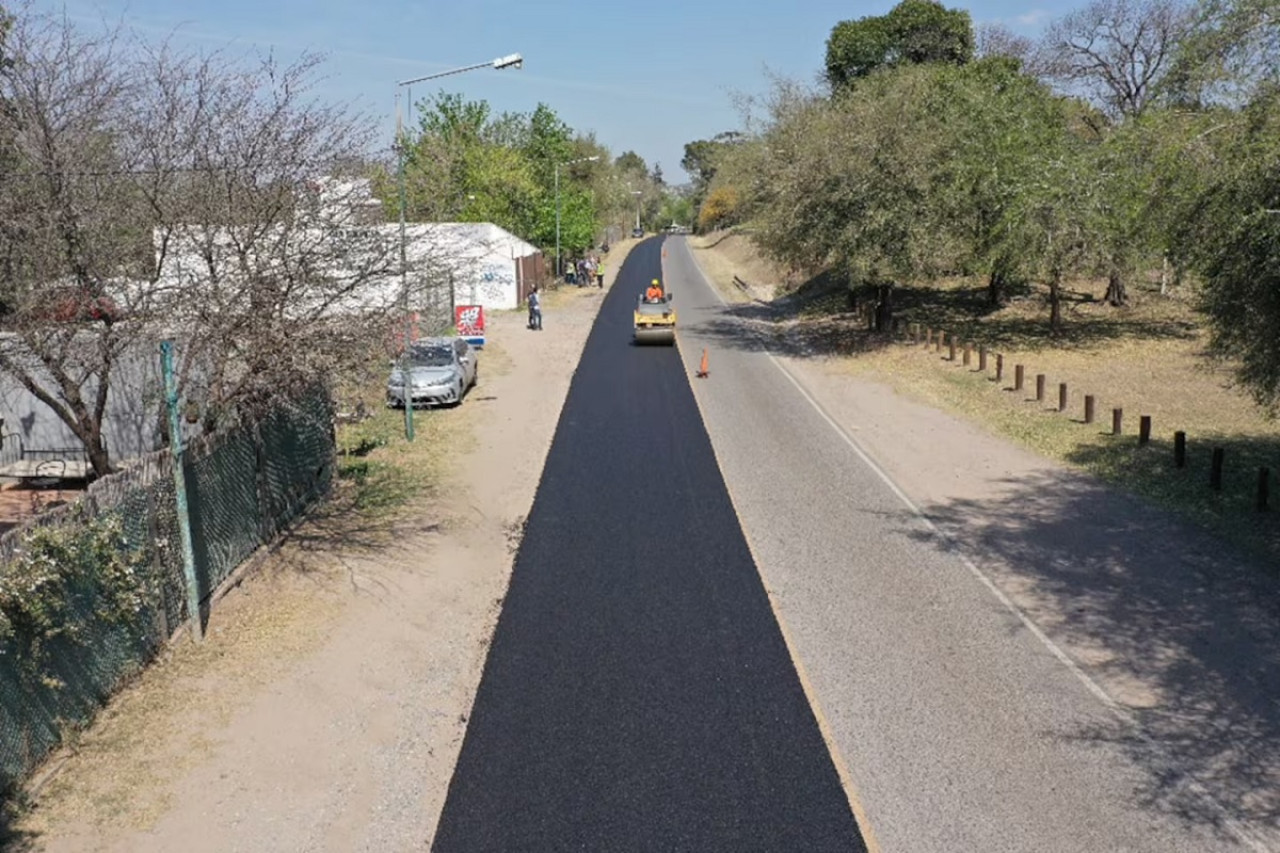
x=654, y=293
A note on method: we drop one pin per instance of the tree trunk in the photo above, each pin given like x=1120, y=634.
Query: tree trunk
x=1116, y=295
x=1055, y=302
x=884, y=308
x=96, y=449
x=996, y=289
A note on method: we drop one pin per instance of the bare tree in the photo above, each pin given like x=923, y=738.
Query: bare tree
x=69, y=222
x=997, y=40
x=1115, y=51
x=151, y=193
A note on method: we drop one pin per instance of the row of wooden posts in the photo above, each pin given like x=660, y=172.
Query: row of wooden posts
x=938, y=338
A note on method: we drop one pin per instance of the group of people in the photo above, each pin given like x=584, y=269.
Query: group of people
x=584, y=271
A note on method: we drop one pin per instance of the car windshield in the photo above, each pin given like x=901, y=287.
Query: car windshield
x=434, y=356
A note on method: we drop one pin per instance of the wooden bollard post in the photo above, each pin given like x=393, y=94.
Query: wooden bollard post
x=1062, y=396
x=982, y=359
x=1019, y=375
x=999, y=366
x=1088, y=408
x=915, y=334
x=1040, y=377
x=1144, y=429
x=1117, y=421
x=1264, y=488
x=928, y=337
x=952, y=351
x=941, y=335
x=1215, y=470
x=1180, y=449
x=968, y=357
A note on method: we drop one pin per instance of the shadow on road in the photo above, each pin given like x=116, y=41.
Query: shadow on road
x=1176, y=628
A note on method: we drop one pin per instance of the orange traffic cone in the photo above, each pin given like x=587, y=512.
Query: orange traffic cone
x=702, y=371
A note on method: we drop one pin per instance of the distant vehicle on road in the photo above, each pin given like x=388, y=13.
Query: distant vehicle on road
x=441, y=371
x=637, y=232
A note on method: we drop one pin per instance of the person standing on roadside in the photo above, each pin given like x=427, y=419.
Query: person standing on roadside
x=535, y=309
x=600, y=274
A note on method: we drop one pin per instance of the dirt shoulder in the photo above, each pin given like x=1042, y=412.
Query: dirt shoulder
x=1160, y=614
x=328, y=705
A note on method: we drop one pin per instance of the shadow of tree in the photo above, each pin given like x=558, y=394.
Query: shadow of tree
x=1150, y=471
x=1182, y=631
x=819, y=318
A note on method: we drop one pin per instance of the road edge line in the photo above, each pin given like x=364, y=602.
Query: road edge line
x=847, y=784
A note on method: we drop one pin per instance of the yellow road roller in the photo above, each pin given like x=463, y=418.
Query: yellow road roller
x=655, y=319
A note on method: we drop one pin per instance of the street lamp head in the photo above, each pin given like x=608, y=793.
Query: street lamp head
x=513, y=60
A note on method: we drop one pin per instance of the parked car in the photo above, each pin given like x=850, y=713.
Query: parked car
x=637, y=232
x=441, y=371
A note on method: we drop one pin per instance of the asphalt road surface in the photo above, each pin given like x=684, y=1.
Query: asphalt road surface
x=961, y=728
x=639, y=694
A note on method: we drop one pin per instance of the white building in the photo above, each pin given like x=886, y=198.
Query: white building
x=464, y=263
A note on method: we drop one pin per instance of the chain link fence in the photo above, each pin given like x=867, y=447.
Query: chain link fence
x=244, y=488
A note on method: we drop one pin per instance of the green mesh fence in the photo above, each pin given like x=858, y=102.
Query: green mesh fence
x=244, y=488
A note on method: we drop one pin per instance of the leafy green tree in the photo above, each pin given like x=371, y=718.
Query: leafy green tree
x=1003, y=126
x=630, y=161
x=914, y=32
x=1236, y=231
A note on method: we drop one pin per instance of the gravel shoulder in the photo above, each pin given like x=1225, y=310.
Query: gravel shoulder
x=326, y=709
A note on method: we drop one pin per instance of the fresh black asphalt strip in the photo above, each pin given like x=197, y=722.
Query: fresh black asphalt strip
x=638, y=693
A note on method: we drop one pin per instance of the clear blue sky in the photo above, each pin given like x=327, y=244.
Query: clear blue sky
x=647, y=76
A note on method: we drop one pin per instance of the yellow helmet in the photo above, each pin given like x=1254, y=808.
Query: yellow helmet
x=655, y=283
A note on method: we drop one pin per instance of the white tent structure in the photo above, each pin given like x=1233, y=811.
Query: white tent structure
x=479, y=258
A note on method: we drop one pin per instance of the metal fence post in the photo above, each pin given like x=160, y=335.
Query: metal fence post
x=180, y=489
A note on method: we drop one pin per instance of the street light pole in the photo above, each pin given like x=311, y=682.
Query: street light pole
x=513, y=60
x=637, y=194
x=557, y=185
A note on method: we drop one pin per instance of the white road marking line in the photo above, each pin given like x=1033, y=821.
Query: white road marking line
x=1241, y=834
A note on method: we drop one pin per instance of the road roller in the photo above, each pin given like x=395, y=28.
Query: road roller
x=655, y=320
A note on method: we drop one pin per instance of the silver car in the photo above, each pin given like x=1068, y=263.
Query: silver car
x=441, y=371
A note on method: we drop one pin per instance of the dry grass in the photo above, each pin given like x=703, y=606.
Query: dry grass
x=729, y=254
x=1147, y=358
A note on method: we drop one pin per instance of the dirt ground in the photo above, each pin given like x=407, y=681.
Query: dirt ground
x=327, y=706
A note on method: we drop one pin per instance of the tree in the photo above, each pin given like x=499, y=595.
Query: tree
x=630, y=161
x=1230, y=54
x=1235, y=226
x=1005, y=124
x=1116, y=51
x=913, y=32
x=178, y=187
x=656, y=175
x=719, y=208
